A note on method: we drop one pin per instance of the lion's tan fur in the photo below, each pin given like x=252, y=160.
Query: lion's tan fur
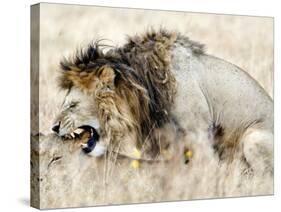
x=162, y=78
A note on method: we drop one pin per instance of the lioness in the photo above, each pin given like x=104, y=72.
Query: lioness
x=164, y=79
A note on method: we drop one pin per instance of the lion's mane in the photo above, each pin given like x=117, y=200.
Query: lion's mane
x=142, y=82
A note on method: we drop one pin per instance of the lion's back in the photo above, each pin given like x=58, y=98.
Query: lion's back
x=211, y=89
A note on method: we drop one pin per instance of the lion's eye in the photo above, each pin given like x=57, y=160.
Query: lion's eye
x=73, y=105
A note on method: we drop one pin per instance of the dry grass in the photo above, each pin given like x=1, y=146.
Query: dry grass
x=244, y=41
x=78, y=180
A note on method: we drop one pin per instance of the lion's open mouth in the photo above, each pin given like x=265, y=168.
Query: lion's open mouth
x=85, y=133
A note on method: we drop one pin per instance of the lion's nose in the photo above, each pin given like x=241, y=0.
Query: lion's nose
x=56, y=127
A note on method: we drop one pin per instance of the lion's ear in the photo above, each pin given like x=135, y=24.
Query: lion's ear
x=106, y=75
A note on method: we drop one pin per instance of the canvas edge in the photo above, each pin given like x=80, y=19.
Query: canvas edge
x=34, y=103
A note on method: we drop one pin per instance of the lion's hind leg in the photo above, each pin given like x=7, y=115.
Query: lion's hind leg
x=258, y=150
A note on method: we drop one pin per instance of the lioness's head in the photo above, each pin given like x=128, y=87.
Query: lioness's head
x=59, y=170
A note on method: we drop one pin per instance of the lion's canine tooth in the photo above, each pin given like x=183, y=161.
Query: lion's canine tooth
x=78, y=131
x=72, y=135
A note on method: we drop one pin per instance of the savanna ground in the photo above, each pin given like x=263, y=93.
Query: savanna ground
x=244, y=41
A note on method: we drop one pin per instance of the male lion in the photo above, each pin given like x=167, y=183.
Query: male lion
x=159, y=79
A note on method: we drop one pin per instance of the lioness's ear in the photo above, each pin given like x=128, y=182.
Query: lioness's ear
x=106, y=75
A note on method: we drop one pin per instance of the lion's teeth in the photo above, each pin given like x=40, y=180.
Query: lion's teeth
x=78, y=131
x=72, y=135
